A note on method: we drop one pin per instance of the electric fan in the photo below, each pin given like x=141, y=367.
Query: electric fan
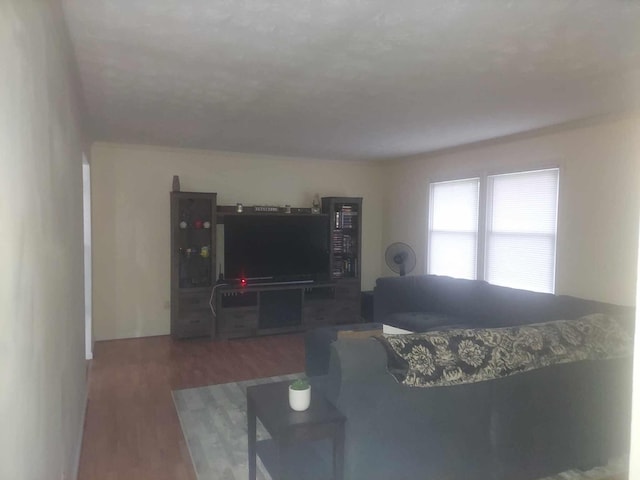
x=400, y=258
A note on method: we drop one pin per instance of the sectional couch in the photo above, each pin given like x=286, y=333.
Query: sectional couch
x=425, y=302
x=518, y=427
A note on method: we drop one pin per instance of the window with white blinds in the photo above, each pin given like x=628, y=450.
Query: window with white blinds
x=508, y=238
x=453, y=228
x=522, y=210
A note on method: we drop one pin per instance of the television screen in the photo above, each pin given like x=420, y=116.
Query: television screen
x=276, y=247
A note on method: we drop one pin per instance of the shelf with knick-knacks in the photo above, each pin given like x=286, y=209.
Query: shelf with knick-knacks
x=193, y=249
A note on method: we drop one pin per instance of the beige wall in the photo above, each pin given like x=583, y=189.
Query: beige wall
x=130, y=193
x=634, y=460
x=42, y=366
x=597, y=233
x=598, y=209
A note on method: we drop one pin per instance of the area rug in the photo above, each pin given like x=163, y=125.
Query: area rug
x=214, y=423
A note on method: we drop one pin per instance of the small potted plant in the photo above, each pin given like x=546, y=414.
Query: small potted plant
x=300, y=394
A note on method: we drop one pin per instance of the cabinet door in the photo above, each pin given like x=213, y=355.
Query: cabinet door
x=238, y=321
x=347, y=306
x=347, y=312
x=319, y=313
x=194, y=315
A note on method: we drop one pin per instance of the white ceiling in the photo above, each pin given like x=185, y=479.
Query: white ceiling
x=352, y=79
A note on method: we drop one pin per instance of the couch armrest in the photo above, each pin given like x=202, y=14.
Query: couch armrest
x=397, y=294
x=354, y=361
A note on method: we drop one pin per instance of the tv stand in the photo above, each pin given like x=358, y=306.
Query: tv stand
x=265, y=309
x=271, y=283
x=292, y=282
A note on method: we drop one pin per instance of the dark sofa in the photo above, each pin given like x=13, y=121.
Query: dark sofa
x=520, y=427
x=426, y=302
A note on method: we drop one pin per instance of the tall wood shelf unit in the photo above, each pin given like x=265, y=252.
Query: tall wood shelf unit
x=345, y=256
x=193, y=261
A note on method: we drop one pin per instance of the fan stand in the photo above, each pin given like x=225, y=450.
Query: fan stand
x=399, y=260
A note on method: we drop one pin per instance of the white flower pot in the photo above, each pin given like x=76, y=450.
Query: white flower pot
x=299, y=400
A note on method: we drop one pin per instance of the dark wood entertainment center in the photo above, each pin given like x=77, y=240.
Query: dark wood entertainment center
x=262, y=308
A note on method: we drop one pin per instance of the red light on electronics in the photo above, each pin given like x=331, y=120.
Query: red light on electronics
x=243, y=282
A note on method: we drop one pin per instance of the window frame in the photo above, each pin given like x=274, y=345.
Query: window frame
x=483, y=207
x=430, y=220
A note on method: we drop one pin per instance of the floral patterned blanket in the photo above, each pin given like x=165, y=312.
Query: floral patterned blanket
x=458, y=356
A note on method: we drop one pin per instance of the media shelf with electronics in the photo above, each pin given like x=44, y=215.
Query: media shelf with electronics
x=280, y=269
x=345, y=233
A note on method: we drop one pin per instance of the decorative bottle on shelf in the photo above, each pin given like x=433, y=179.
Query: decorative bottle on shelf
x=315, y=206
x=176, y=183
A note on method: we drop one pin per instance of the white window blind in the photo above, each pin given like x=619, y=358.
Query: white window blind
x=453, y=228
x=521, y=230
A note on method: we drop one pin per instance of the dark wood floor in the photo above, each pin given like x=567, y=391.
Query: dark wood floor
x=131, y=427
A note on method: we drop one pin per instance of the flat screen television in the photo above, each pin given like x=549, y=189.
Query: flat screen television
x=276, y=248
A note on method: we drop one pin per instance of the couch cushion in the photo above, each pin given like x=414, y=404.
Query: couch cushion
x=423, y=321
x=427, y=293
x=503, y=306
x=561, y=417
x=451, y=296
x=567, y=306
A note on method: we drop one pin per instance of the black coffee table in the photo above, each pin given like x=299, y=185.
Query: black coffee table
x=270, y=403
